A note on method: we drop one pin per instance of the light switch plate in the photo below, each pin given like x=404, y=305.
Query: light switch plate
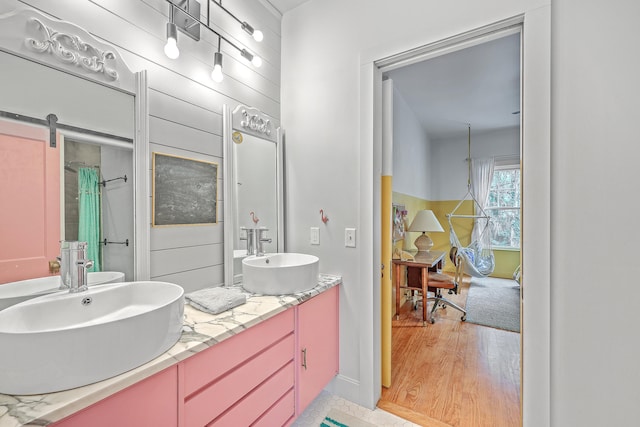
x=314, y=237
x=350, y=237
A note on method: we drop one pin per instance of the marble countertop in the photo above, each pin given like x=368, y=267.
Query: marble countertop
x=200, y=331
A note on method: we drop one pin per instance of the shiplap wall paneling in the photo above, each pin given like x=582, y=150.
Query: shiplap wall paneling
x=185, y=104
x=193, y=280
x=143, y=36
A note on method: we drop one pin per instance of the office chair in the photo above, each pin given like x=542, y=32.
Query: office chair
x=436, y=283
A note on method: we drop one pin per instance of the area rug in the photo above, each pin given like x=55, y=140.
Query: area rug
x=337, y=418
x=495, y=303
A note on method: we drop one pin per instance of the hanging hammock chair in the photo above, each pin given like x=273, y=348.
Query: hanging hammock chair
x=478, y=258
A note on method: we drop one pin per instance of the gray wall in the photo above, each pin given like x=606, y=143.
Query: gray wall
x=334, y=157
x=450, y=170
x=412, y=149
x=185, y=105
x=595, y=175
x=591, y=132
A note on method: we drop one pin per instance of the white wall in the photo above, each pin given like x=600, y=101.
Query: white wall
x=117, y=222
x=327, y=47
x=185, y=105
x=411, y=152
x=450, y=170
x=595, y=175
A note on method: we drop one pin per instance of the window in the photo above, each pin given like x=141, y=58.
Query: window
x=503, y=205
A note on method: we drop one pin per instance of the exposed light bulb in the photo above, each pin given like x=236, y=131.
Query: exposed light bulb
x=256, y=34
x=171, y=48
x=256, y=61
x=217, y=75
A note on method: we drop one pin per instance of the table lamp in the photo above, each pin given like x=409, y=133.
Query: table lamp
x=424, y=221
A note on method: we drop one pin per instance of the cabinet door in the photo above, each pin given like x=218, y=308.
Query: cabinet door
x=151, y=402
x=317, y=328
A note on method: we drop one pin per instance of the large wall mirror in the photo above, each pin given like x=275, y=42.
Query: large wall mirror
x=253, y=156
x=71, y=112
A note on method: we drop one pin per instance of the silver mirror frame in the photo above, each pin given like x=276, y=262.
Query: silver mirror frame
x=250, y=121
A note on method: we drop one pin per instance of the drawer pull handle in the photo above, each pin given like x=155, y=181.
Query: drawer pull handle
x=304, y=358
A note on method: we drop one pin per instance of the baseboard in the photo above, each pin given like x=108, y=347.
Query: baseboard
x=346, y=388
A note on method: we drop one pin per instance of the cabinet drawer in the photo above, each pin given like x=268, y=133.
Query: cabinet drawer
x=279, y=414
x=206, y=366
x=204, y=406
x=261, y=400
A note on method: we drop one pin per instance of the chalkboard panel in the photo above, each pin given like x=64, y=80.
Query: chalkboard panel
x=184, y=191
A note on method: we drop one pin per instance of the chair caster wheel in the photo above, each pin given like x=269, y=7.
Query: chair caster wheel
x=463, y=318
x=432, y=321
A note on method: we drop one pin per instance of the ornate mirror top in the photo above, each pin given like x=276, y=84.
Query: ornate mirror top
x=63, y=46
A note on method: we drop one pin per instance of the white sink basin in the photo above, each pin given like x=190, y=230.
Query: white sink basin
x=60, y=341
x=15, y=292
x=279, y=274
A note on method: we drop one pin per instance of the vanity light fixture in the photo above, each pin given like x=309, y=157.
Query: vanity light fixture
x=217, y=75
x=171, y=48
x=256, y=34
x=254, y=59
x=185, y=16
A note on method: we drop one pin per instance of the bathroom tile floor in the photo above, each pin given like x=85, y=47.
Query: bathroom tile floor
x=318, y=409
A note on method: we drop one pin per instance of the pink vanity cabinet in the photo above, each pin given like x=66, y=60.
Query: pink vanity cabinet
x=151, y=402
x=245, y=379
x=264, y=376
x=317, y=331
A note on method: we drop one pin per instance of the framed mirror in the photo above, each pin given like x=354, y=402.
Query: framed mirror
x=70, y=104
x=253, y=185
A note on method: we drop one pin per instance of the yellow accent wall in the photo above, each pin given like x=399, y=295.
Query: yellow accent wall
x=386, y=292
x=506, y=260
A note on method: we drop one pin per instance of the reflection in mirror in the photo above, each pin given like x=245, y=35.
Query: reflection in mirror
x=99, y=124
x=253, y=188
x=112, y=163
x=256, y=201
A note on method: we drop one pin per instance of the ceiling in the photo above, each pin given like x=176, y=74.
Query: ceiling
x=479, y=85
x=284, y=6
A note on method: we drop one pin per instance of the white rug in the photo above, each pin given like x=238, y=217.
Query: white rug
x=495, y=303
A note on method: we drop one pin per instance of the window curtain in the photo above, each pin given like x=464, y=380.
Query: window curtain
x=89, y=217
x=481, y=176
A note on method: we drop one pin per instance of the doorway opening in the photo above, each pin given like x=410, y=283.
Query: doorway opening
x=436, y=96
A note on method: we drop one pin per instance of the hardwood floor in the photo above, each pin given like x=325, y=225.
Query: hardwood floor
x=453, y=373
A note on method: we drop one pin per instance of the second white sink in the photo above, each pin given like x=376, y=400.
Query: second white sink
x=280, y=274
x=66, y=340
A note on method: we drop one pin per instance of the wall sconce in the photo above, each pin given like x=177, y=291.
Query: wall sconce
x=184, y=15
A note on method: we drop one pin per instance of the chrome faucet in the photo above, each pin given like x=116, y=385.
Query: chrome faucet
x=250, y=238
x=260, y=240
x=73, y=266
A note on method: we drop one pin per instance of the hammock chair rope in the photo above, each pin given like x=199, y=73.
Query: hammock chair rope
x=478, y=256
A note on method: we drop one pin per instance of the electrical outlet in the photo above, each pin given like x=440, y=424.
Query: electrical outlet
x=350, y=237
x=314, y=237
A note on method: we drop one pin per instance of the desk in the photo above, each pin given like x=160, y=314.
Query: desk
x=431, y=260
